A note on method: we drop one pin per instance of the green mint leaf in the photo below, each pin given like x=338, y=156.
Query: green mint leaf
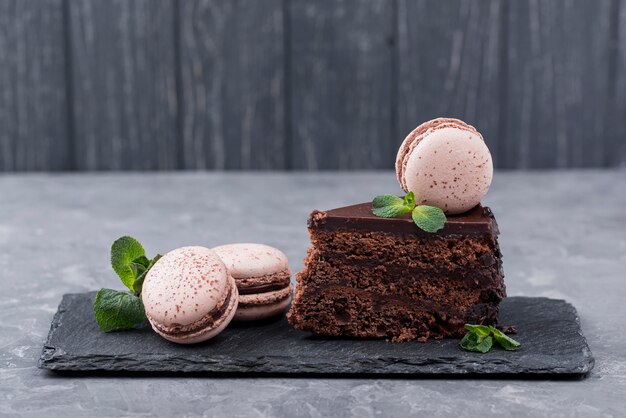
x=409, y=200
x=143, y=260
x=391, y=211
x=116, y=310
x=482, y=330
x=123, y=252
x=484, y=345
x=505, y=341
x=391, y=206
x=138, y=283
x=475, y=342
x=428, y=218
x=138, y=270
x=386, y=200
x=480, y=338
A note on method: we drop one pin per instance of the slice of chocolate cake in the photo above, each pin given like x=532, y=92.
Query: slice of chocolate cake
x=366, y=276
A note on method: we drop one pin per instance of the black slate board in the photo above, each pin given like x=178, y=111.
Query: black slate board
x=548, y=329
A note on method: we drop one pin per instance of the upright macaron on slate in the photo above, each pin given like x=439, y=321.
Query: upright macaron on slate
x=189, y=296
x=445, y=163
x=263, y=278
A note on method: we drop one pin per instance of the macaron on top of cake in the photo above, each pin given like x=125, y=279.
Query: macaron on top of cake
x=445, y=163
x=189, y=296
x=263, y=277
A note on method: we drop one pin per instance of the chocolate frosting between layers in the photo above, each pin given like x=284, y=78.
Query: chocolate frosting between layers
x=477, y=221
x=263, y=288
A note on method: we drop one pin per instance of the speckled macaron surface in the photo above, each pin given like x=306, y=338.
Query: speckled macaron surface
x=445, y=163
x=244, y=260
x=263, y=277
x=188, y=295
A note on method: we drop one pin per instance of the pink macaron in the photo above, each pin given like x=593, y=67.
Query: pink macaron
x=445, y=163
x=189, y=296
x=263, y=279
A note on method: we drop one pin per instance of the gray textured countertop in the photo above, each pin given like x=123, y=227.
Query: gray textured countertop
x=563, y=236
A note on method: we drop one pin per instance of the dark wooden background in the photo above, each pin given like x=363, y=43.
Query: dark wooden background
x=306, y=84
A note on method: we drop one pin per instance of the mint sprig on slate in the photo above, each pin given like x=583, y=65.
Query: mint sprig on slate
x=427, y=218
x=116, y=310
x=505, y=341
x=480, y=338
x=126, y=254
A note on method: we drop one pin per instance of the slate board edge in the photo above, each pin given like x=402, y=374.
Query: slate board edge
x=55, y=359
x=50, y=354
x=590, y=361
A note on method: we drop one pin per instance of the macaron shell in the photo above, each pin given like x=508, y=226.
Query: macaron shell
x=416, y=135
x=449, y=168
x=185, y=285
x=251, y=260
x=211, y=331
x=256, y=312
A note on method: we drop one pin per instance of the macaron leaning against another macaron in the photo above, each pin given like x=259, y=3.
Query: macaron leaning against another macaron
x=445, y=163
x=263, y=278
x=189, y=296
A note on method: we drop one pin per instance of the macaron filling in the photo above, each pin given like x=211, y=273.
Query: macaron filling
x=266, y=298
x=282, y=277
x=264, y=287
x=207, y=321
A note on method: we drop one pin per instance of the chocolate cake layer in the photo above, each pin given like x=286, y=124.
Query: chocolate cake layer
x=480, y=275
x=367, y=276
x=415, y=251
x=457, y=287
x=357, y=313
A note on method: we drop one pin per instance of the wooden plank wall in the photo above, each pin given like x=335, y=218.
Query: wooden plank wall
x=123, y=84
x=33, y=100
x=312, y=85
x=232, y=84
x=341, y=83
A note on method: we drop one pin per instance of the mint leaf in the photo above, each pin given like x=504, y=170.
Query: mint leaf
x=505, y=341
x=409, y=200
x=482, y=330
x=143, y=260
x=139, y=270
x=477, y=343
x=480, y=339
x=125, y=251
x=484, y=344
x=391, y=211
x=428, y=218
x=139, y=278
x=386, y=200
x=391, y=206
x=116, y=310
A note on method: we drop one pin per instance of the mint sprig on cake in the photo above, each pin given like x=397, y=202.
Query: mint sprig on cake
x=428, y=218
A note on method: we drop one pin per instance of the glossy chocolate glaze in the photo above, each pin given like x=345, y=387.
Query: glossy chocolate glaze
x=477, y=221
